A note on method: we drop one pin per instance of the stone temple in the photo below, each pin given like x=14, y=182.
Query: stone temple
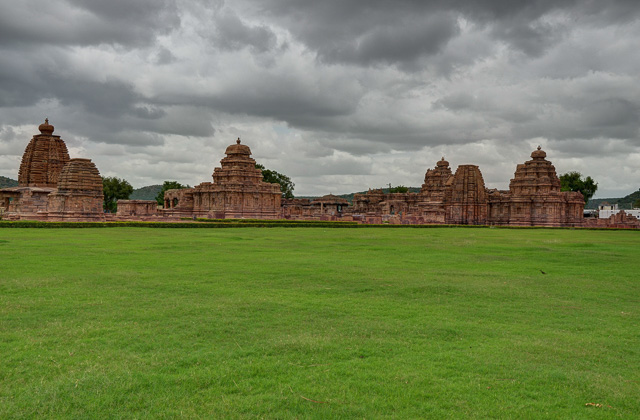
x=237, y=191
x=51, y=186
x=54, y=187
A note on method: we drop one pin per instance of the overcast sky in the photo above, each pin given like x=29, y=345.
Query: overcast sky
x=340, y=95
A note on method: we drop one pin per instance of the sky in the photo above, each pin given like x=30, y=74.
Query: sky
x=340, y=95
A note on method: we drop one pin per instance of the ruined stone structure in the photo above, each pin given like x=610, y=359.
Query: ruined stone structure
x=620, y=220
x=237, y=191
x=534, y=199
x=328, y=207
x=137, y=208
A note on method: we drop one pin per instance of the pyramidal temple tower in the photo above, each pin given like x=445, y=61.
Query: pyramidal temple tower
x=43, y=159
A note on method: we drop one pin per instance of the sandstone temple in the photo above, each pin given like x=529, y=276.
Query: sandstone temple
x=51, y=186
x=54, y=187
x=237, y=191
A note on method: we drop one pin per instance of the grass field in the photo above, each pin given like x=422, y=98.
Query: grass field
x=319, y=323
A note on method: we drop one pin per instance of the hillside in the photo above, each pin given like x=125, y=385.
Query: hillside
x=7, y=182
x=625, y=202
x=146, y=193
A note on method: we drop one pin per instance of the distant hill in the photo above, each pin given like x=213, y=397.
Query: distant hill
x=145, y=193
x=625, y=202
x=7, y=182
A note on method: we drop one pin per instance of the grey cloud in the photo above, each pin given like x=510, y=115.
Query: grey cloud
x=367, y=82
x=111, y=98
x=532, y=39
x=231, y=33
x=164, y=56
x=86, y=22
x=620, y=115
x=572, y=148
x=284, y=97
x=396, y=42
x=370, y=32
x=148, y=112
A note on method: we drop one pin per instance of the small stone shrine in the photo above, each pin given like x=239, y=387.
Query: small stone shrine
x=79, y=193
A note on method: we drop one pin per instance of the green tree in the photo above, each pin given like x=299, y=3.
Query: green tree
x=399, y=189
x=114, y=189
x=636, y=204
x=273, y=177
x=573, y=181
x=168, y=185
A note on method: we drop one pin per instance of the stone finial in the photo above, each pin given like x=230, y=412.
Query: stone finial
x=238, y=141
x=46, y=128
x=539, y=153
x=442, y=163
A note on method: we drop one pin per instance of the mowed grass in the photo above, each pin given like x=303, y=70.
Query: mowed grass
x=319, y=323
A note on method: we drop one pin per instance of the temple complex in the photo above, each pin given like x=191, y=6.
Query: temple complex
x=54, y=187
x=534, y=199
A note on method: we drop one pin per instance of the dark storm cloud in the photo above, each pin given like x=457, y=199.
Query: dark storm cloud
x=395, y=43
x=85, y=22
x=401, y=32
x=24, y=86
x=285, y=97
x=346, y=83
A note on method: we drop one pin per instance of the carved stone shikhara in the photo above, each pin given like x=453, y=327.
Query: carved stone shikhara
x=43, y=159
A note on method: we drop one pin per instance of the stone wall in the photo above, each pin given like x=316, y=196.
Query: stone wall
x=137, y=208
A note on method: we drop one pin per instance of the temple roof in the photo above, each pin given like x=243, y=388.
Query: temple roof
x=43, y=159
x=80, y=175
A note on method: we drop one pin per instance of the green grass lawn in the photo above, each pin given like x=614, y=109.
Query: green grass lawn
x=319, y=323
